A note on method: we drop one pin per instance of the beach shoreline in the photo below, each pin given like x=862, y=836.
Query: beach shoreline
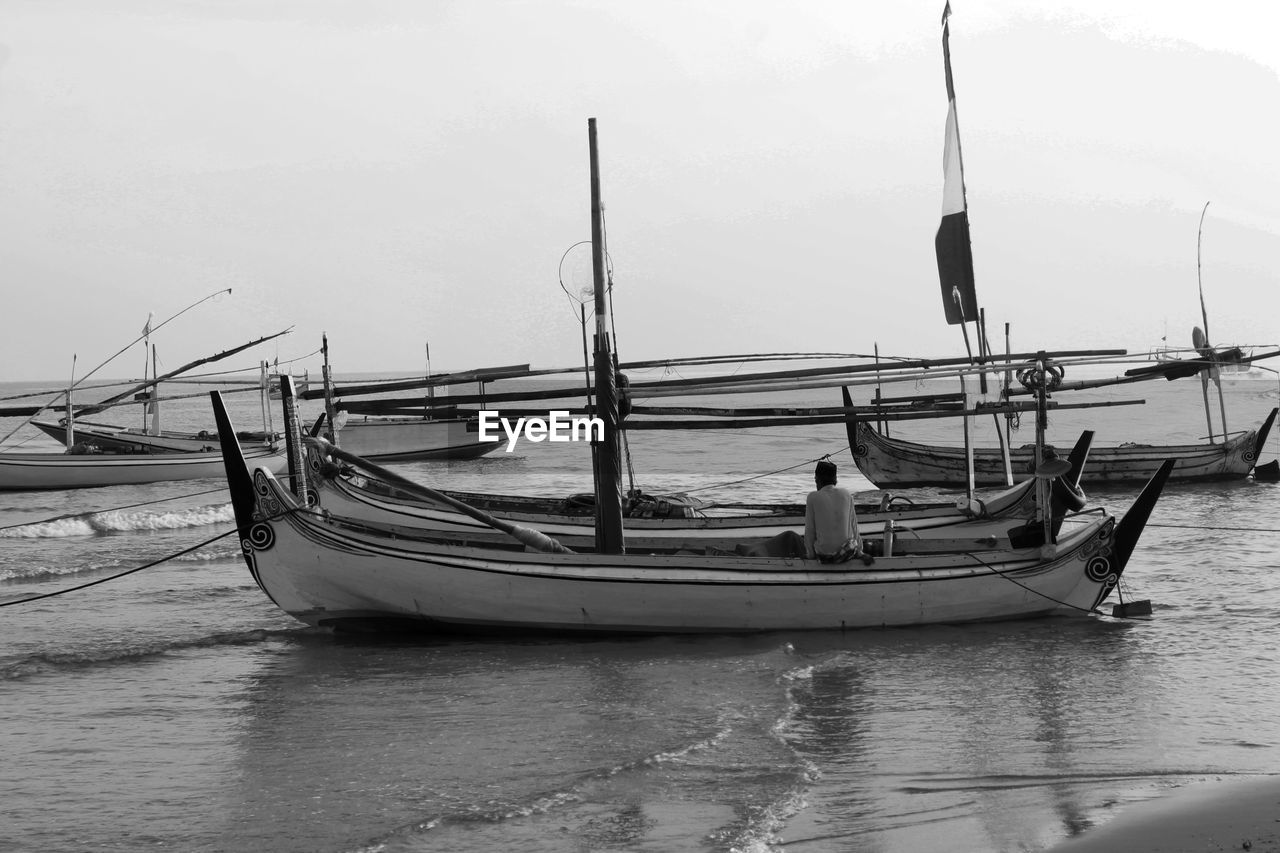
x=1236, y=814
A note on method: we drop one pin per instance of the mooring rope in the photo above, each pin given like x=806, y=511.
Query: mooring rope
x=1214, y=527
x=1029, y=589
x=119, y=574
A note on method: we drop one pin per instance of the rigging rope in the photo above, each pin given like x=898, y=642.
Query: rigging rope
x=766, y=474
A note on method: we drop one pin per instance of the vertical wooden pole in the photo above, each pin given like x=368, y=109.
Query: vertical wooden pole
x=293, y=439
x=609, y=535
x=329, y=412
x=968, y=441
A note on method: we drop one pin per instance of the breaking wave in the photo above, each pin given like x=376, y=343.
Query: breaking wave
x=121, y=521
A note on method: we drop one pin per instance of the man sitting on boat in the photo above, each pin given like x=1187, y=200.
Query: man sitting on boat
x=830, y=526
x=830, y=520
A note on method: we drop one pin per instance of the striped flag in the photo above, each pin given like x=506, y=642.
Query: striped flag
x=955, y=255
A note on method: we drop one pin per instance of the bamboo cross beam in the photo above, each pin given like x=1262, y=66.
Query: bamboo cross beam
x=495, y=374
x=469, y=377
x=1180, y=369
x=524, y=372
x=757, y=423
x=916, y=364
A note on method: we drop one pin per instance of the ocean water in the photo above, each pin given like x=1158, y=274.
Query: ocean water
x=174, y=708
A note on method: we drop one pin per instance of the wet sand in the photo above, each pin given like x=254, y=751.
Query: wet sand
x=1210, y=816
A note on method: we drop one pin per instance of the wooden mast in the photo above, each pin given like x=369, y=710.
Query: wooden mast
x=609, y=536
x=71, y=412
x=294, y=452
x=327, y=375
x=154, y=405
x=1205, y=347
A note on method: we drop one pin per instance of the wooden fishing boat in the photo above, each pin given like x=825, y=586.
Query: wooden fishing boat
x=328, y=571
x=82, y=436
x=331, y=572
x=386, y=439
x=43, y=471
x=113, y=437
x=893, y=463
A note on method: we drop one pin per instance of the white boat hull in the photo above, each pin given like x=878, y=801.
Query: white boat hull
x=392, y=439
x=327, y=573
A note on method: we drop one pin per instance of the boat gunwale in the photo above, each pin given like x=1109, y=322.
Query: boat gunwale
x=336, y=533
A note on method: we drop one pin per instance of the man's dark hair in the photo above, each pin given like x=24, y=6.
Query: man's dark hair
x=825, y=472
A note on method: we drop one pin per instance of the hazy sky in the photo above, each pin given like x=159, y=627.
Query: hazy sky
x=397, y=172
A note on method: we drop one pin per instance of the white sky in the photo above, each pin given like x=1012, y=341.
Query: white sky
x=395, y=172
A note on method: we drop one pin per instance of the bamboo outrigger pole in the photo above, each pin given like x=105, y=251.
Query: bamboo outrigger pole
x=156, y=380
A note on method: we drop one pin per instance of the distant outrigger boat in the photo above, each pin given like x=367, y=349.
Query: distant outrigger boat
x=95, y=437
x=109, y=455
x=892, y=463
x=391, y=430
x=45, y=471
x=409, y=439
x=113, y=438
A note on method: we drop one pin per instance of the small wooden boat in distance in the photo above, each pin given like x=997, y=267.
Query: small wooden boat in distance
x=44, y=471
x=893, y=463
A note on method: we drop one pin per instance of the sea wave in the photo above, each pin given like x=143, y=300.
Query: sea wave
x=212, y=554
x=121, y=521
x=128, y=652
x=760, y=831
x=38, y=572
x=583, y=794
x=219, y=549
